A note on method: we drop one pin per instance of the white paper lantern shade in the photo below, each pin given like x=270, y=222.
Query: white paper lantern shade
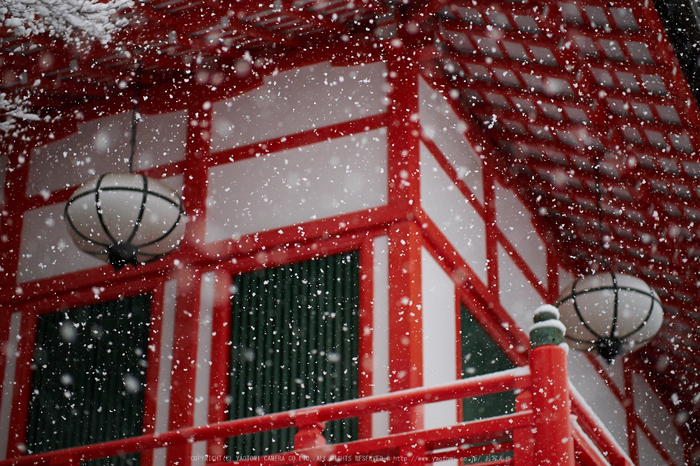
x=610, y=313
x=125, y=219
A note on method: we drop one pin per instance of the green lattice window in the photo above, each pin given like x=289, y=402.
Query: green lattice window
x=294, y=344
x=89, y=374
x=481, y=355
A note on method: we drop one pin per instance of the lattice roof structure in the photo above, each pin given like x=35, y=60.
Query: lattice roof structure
x=583, y=105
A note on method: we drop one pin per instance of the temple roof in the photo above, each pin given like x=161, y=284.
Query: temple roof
x=584, y=105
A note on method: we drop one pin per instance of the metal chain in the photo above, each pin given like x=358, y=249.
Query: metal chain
x=135, y=116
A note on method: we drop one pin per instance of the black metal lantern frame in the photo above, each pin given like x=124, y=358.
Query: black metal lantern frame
x=595, y=327
x=126, y=218
x=120, y=244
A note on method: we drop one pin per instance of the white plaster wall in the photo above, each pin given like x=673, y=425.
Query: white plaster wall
x=380, y=331
x=452, y=214
x=167, y=330
x=104, y=145
x=596, y=420
x=658, y=420
x=592, y=389
x=439, y=339
x=440, y=124
x=515, y=221
x=648, y=456
x=98, y=146
x=8, y=380
x=298, y=185
x=299, y=100
x=516, y=293
x=202, y=376
x=565, y=279
x=616, y=372
x=46, y=248
x=160, y=139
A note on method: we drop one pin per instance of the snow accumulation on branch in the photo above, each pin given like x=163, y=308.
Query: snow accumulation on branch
x=13, y=109
x=93, y=19
x=70, y=20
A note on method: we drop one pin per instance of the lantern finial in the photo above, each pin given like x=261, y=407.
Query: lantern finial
x=122, y=254
x=608, y=348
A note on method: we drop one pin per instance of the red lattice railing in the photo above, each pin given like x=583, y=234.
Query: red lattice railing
x=546, y=428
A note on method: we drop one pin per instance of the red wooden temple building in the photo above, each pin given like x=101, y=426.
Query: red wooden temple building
x=378, y=196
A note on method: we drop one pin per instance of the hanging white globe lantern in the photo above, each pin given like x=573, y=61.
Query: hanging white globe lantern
x=609, y=313
x=125, y=218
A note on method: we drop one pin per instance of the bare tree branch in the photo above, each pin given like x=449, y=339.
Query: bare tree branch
x=71, y=20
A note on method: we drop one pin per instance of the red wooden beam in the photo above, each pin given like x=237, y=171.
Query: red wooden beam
x=317, y=19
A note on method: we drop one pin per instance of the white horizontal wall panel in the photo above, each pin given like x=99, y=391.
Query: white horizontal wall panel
x=452, y=213
x=515, y=221
x=104, y=145
x=594, y=392
x=658, y=420
x=99, y=146
x=439, y=339
x=440, y=123
x=380, y=331
x=312, y=182
x=47, y=249
x=160, y=139
x=517, y=294
x=299, y=100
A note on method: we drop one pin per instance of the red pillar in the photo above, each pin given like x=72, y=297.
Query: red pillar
x=185, y=338
x=194, y=189
x=405, y=322
x=523, y=441
x=14, y=206
x=405, y=241
x=554, y=445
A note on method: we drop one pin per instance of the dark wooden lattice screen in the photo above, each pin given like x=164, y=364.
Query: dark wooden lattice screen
x=294, y=344
x=88, y=376
x=481, y=355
